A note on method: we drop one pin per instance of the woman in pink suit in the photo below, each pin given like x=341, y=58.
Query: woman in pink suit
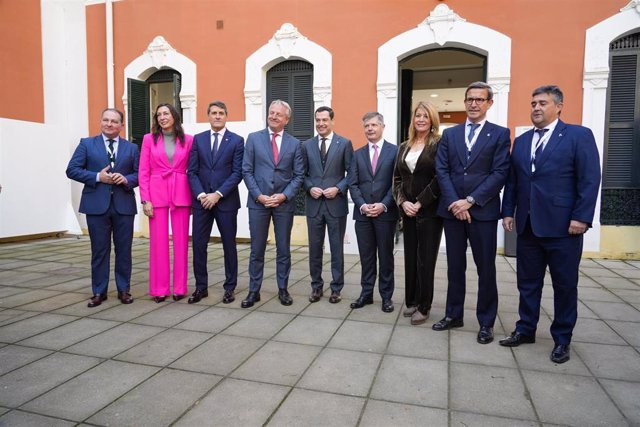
x=164, y=190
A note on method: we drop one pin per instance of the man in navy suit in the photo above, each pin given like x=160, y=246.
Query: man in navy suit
x=215, y=170
x=273, y=170
x=107, y=165
x=552, y=190
x=472, y=164
x=328, y=157
x=375, y=211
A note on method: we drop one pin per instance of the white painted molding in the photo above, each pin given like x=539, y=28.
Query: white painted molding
x=286, y=43
x=161, y=55
x=595, y=83
x=444, y=28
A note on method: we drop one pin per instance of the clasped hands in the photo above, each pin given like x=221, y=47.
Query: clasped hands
x=372, y=210
x=210, y=200
x=460, y=209
x=116, y=178
x=328, y=193
x=272, y=201
x=411, y=209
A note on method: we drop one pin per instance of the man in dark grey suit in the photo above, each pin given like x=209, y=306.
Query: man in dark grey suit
x=328, y=157
x=375, y=211
x=273, y=170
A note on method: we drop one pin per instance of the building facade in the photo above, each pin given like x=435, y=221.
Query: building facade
x=66, y=60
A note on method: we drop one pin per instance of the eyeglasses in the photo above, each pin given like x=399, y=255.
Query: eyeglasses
x=478, y=101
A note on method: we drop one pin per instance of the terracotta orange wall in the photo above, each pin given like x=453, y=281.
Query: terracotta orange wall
x=97, y=67
x=21, y=59
x=551, y=35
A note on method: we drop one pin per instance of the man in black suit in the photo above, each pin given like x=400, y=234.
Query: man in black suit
x=328, y=157
x=215, y=170
x=375, y=211
x=107, y=165
x=472, y=164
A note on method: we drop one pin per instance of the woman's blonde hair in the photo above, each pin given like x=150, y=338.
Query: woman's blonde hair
x=435, y=123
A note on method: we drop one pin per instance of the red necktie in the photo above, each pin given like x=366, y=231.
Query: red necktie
x=274, y=147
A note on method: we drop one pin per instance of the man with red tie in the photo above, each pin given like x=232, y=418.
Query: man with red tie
x=273, y=170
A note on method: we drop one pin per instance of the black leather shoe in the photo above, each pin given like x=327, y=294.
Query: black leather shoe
x=361, y=302
x=198, y=295
x=315, y=296
x=447, y=323
x=96, y=300
x=387, y=306
x=159, y=299
x=252, y=298
x=228, y=297
x=335, y=297
x=561, y=353
x=125, y=297
x=485, y=335
x=284, y=297
x=515, y=339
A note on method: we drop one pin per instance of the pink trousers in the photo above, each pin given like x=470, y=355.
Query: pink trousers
x=159, y=250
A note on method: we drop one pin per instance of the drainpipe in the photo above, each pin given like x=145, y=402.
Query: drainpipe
x=109, y=36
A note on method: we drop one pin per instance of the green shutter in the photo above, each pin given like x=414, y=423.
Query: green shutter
x=138, y=110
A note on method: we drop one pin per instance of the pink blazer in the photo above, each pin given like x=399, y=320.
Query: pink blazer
x=161, y=183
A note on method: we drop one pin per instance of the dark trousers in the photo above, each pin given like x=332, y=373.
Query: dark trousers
x=101, y=229
x=375, y=243
x=482, y=236
x=562, y=255
x=421, y=237
x=227, y=222
x=336, y=227
x=259, y=220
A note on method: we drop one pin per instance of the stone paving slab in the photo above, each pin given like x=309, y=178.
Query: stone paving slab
x=245, y=403
x=62, y=363
x=89, y=392
x=158, y=401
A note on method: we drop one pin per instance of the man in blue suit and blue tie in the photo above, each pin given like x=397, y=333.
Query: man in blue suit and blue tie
x=215, y=170
x=107, y=165
x=328, y=157
x=375, y=211
x=472, y=164
x=273, y=170
x=552, y=191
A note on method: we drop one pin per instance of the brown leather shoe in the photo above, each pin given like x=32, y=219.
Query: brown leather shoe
x=335, y=297
x=125, y=297
x=408, y=311
x=96, y=300
x=417, y=318
x=315, y=296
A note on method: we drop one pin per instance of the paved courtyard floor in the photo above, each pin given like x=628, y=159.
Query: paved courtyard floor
x=321, y=364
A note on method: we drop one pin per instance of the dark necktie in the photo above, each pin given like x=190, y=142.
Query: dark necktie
x=214, y=149
x=323, y=150
x=112, y=153
x=472, y=132
x=539, y=147
x=274, y=147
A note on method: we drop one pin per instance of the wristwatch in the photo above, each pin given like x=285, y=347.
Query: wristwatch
x=471, y=200
x=144, y=202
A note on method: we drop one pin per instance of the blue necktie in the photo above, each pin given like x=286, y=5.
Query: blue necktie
x=214, y=150
x=474, y=127
x=539, y=147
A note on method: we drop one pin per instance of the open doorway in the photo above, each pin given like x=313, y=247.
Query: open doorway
x=440, y=77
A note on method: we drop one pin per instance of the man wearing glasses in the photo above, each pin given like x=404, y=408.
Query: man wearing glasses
x=472, y=165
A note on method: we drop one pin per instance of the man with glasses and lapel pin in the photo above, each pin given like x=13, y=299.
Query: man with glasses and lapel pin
x=472, y=164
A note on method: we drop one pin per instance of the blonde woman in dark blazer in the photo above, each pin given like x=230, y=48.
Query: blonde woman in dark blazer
x=416, y=192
